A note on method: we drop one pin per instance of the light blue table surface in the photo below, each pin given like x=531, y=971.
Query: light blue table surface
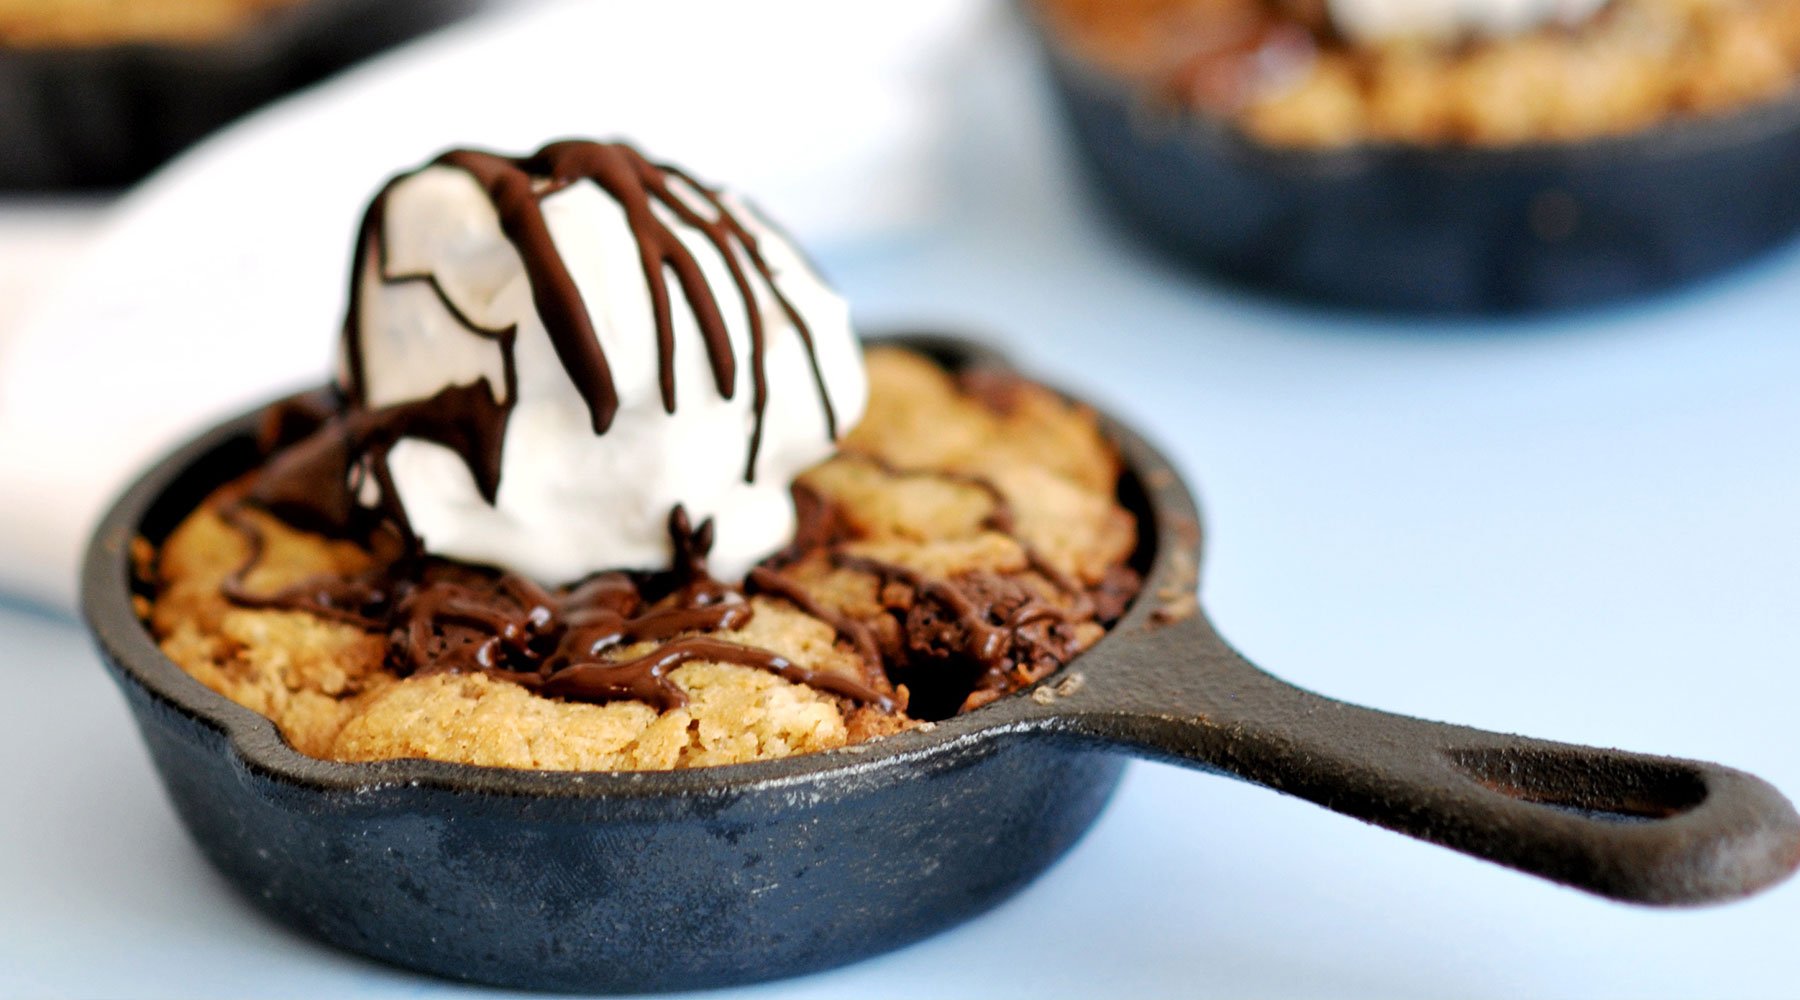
x=1584, y=528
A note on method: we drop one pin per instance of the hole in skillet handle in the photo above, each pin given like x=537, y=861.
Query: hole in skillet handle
x=1637, y=790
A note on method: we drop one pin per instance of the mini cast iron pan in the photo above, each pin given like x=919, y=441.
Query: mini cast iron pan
x=104, y=116
x=1438, y=230
x=644, y=881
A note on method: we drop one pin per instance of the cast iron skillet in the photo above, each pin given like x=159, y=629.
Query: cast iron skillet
x=103, y=116
x=641, y=881
x=1438, y=230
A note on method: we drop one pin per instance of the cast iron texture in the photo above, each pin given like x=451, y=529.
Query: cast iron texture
x=1439, y=230
x=104, y=116
x=638, y=881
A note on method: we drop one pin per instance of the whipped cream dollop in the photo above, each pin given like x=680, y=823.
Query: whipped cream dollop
x=581, y=341
x=1369, y=21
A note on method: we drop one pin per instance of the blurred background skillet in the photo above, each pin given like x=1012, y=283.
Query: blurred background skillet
x=1439, y=226
x=98, y=95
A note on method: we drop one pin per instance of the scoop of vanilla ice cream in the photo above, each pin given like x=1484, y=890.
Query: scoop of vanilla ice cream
x=1380, y=20
x=572, y=501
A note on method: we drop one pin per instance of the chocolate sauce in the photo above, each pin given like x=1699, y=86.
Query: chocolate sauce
x=767, y=581
x=957, y=642
x=318, y=482
x=313, y=483
x=981, y=640
x=965, y=641
x=356, y=600
x=441, y=616
x=644, y=678
x=999, y=519
x=517, y=187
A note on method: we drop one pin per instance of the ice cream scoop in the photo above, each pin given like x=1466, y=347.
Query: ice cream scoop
x=545, y=355
x=1379, y=20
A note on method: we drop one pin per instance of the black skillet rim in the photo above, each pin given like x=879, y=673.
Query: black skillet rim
x=1167, y=519
x=1680, y=136
x=200, y=85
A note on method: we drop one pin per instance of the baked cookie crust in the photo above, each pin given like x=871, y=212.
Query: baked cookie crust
x=985, y=489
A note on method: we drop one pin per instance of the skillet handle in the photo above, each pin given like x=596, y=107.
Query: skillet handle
x=1632, y=827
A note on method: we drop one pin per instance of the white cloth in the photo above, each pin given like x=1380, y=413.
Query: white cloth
x=221, y=281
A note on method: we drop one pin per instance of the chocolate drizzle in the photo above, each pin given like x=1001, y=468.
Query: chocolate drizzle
x=358, y=600
x=964, y=641
x=441, y=616
x=319, y=484
x=767, y=581
x=961, y=643
x=517, y=186
x=355, y=443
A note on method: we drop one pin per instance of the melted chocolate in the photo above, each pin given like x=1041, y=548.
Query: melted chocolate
x=983, y=641
x=442, y=616
x=767, y=581
x=956, y=643
x=356, y=600
x=643, y=677
x=966, y=641
x=317, y=482
x=313, y=483
x=1001, y=519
